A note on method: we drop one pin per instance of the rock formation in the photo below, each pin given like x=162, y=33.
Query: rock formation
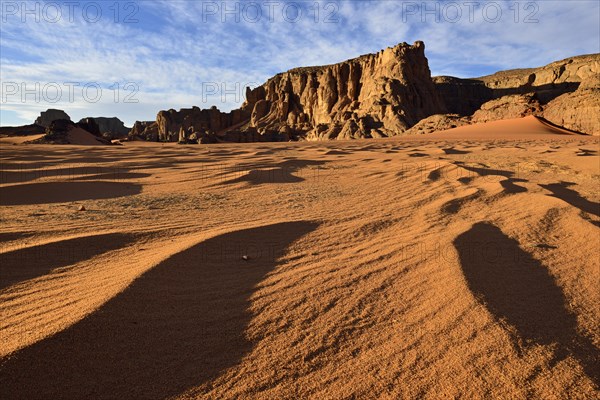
x=375, y=95
x=89, y=125
x=565, y=92
x=580, y=110
x=111, y=128
x=387, y=94
x=438, y=122
x=23, y=130
x=148, y=130
x=195, y=120
x=51, y=114
x=462, y=96
x=546, y=82
x=59, y=132
x=507, y=107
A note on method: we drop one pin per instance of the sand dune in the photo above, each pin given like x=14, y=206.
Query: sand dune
x=20, y=139
x=461, y=264
x=32, y=261
x=193, y=325
x=80, y=137
x=76, y=136
x=522, y=128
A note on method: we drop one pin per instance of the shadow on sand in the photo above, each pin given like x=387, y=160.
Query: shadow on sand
x=290, y=171
x=177, y=326
x=561, y=191
x=519, y=291
x=62, y=192
x=31, y=262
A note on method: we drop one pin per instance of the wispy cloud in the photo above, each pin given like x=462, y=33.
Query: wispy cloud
x=178, y=52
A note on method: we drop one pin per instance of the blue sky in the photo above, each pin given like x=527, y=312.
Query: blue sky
x=133, y=58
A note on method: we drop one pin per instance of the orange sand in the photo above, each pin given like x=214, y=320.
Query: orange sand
x=461, y=264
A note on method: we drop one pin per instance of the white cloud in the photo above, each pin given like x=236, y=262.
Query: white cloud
x=175, y=51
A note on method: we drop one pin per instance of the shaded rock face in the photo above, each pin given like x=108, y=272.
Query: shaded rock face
x=90, y=125
x=58, y=130
x=462, y=96
x=112, y=128
x=46, y=117
x=465, y=96
x=508, y=107
x=59, y=126
x=578, y=111
x=24, y=130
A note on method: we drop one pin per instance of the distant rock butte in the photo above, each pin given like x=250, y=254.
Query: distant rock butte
x=46, y=117
x=110, y=128
x=65, y=131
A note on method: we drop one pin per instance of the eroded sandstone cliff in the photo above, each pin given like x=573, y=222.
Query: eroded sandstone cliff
x=51, y=114
x=565, y=92
x=580, y=110
x=385, y=94
x=375, y=95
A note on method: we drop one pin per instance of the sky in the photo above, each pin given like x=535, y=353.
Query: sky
x=131, y=59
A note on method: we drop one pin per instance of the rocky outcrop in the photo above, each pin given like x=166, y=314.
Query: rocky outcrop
x=462, y=96
x=375, y=95
x=147, y=130
x=24, y=130
x=465, y=96
x=385, y=94
x=190, y=125
x=89, y=125
x=195, y=120
x=507, y=107
x=547, y=82
x=60, y=131
x=438, y=122
x=111, y=128
x=578, y=111
x=51, y=114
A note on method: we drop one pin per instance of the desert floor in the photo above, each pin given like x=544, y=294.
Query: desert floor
x=462, y=264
